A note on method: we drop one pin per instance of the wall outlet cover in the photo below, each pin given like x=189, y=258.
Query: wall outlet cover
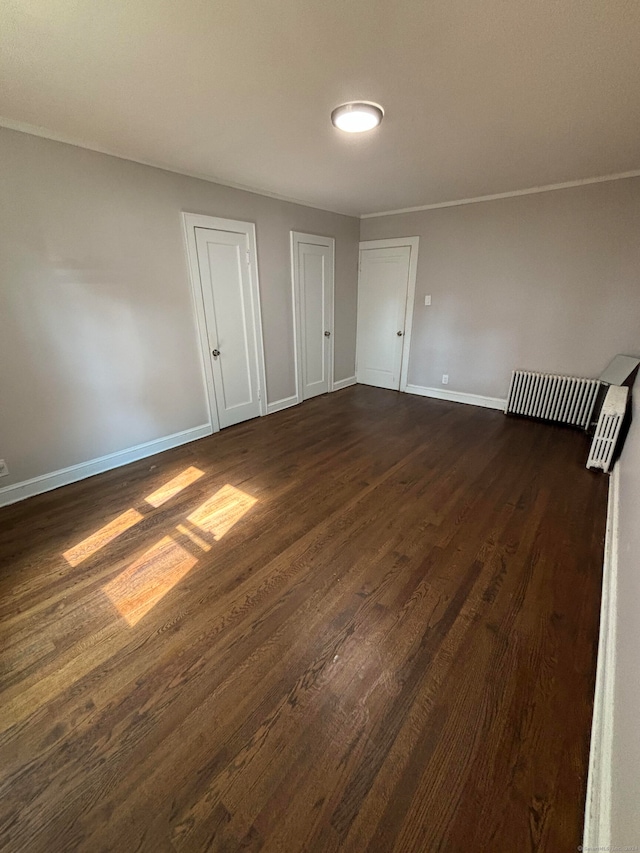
x=4, y=471
x=445, y=378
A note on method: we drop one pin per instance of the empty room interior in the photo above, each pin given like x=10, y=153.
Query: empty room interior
x=319, y=426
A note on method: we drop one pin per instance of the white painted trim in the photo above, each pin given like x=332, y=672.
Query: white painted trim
x=295, y=315
x=191, y=222
x=314, y=239
x=295, y=238
x=197, y=304
x=64, y=476
x=414, y=245
x=54, y=136
x=457, y=397
x=389, y=243
x=565, y=185
x=344, y=383
x=332, y=348
x=293, y=400
x=257, y=313
x=597, y=818
x=44, y=133
x=285, y=403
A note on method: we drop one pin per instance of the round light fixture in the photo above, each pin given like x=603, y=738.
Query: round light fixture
x=357, y=116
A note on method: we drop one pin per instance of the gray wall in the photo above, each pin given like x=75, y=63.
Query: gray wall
x=626, y=729
x=98, y=347
x=546, y=282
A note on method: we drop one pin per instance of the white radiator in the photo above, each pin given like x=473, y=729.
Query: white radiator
x=565, y=399
x=611, y=416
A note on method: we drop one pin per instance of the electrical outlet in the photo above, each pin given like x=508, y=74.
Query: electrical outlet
x=427, y=300
x=4, y=471
x=445, y=378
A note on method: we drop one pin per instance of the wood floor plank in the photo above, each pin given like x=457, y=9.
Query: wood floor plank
x=365, y=623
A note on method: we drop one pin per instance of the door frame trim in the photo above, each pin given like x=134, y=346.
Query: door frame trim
x=297, y=237
x=395, y=243
x=191, y=221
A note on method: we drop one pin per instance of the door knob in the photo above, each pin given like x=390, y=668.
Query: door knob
x=215, y=353
x=400, y=334
x=327, y=334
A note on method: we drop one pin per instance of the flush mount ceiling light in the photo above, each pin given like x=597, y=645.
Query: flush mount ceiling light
x=357, y=116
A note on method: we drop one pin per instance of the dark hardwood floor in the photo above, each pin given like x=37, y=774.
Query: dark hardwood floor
x=368, y=623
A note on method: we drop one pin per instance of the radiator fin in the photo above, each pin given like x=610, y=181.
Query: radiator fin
x=608, y=429
x=565, y=399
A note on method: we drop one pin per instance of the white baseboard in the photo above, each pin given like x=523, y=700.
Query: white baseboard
x=285, y=403
x=597, y=817
x=344, y=383
x=457, y=397
x=47, y=482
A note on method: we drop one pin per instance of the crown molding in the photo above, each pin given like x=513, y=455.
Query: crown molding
x=44, y=133
x=565, y=185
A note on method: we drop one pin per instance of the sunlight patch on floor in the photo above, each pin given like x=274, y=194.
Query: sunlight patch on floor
x=218, y=515
x=141, y=586
x=194, y=537
x=174, y=486
x=102, y=537
x=146, y=581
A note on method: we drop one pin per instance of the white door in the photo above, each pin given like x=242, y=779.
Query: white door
x=386, y=286
x=313, y=305
x=231, y=321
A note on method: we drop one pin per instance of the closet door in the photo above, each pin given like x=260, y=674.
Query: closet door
x=313, y=298
x=382, y=305
x=231, y=320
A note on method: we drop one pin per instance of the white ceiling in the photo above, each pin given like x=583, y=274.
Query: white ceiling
x=481, y=96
